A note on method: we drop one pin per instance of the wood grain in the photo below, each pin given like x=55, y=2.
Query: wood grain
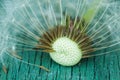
x=105, y=67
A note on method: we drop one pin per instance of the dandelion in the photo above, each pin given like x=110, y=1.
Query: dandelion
x=69, y=30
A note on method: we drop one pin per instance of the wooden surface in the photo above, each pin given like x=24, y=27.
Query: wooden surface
x=105, y=67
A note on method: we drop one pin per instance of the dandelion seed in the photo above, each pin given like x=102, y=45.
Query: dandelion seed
x=3, y=46
x=67, y=30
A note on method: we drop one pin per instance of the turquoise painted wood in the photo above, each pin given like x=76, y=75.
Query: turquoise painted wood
x=105, y=67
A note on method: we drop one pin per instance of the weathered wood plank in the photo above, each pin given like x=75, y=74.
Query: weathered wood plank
x=105, y=67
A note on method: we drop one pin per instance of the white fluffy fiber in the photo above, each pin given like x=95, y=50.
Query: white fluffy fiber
x=26, y=20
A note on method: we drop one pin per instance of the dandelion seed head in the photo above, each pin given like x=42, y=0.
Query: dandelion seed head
x=65, y=46
x=34, y=23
